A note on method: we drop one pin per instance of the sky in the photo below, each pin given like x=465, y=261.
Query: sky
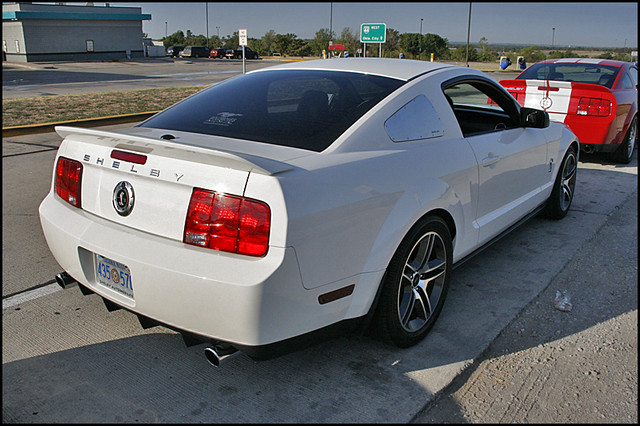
x=585, y=24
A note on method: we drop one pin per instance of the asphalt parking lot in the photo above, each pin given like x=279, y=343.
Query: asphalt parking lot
x=63, y=78
x=67, y=359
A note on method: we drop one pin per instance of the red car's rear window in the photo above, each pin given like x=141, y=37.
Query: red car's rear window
x=590, y=73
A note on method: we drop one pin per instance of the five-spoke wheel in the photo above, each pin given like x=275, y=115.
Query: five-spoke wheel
x=416, y=284
x=564, y=187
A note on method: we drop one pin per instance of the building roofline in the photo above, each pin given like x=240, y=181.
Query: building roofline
x=21, y=15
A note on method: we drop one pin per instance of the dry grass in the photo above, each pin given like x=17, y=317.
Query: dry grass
x=47, y=109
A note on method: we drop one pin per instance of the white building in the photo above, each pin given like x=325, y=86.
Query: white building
x=57, y=32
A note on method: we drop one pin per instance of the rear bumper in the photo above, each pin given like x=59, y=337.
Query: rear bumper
x=598, y=132
x=244, y=301
x=598, y=148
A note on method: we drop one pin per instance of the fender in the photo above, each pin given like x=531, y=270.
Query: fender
x=409, y=209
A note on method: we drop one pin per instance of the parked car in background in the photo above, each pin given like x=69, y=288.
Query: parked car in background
x=218, y=53
x=248, y=53
x=597, y=99
x=174, y=51
x=237, y=53
x=195, y=52
x=300, y=199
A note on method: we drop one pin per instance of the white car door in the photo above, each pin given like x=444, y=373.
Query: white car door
x=512, y=160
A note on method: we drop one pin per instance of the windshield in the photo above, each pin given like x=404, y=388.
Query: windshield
x=590, y=73
x=300, y=108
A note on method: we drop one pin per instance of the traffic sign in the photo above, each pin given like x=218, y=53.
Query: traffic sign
x=242, y=37
x=373, y=33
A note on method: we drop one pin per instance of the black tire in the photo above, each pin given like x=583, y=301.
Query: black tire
x=564, y=187
x=624, y=153
x=416, y=284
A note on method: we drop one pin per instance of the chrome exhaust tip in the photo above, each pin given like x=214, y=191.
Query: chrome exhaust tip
x=218, y=353
x=588, y=149
x=65, y=280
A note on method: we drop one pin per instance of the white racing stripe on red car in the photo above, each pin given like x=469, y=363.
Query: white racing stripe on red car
x=551, y=96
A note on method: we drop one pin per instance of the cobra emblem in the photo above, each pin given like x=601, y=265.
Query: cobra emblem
x=123, y=198
x=546, y=103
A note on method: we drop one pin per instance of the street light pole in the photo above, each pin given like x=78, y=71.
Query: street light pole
x=421, y=19
x=553, y=36
x=165, y=29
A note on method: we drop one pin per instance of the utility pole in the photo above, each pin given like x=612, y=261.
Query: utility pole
x=468, y=32
x=207, y=19
x=331, y=21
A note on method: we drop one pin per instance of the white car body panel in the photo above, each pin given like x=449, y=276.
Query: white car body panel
x=337, y=216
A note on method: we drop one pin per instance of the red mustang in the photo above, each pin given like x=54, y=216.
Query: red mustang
x=596, y=98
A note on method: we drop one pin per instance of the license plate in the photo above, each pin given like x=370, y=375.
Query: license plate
x=114, y=275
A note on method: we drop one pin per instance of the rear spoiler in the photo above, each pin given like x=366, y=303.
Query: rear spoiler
x=215, y=157
x=551, y=83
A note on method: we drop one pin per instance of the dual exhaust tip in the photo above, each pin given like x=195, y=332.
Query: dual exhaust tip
x=215, y=354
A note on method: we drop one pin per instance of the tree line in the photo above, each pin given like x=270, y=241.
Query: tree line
x=411, y=45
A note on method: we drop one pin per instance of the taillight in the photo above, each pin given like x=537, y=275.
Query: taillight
x=227, y=223
x=594, y=107
x=69, y=180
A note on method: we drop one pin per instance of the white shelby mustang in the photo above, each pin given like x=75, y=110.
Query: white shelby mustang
x=324, y=195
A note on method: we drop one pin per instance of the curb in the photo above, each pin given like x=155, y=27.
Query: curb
x=32, y=129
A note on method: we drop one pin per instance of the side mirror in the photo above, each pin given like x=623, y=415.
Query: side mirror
x=535, y=118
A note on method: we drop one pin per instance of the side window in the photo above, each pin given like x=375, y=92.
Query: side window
x=479, y=107
x=416, y=120
x=626, y=82
x=634, y=75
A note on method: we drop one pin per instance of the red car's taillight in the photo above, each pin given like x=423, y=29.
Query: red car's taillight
x=69, y=180
x=594, y=107
x=227, y=223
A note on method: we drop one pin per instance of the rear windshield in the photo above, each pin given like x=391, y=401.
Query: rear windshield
x=604, y=75
x=299, y=108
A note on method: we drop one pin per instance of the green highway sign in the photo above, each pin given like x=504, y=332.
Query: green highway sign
x=373, y=33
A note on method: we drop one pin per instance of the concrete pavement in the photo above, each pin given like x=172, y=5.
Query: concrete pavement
x=65, y=359
x=552, y=366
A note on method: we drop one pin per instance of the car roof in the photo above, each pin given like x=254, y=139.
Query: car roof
x=609, y=62
x=401, y=69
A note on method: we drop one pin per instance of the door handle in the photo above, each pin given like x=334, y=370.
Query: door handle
x=490, y=160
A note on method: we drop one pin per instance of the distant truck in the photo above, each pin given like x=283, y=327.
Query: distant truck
x=195, y=52
x=174, y=51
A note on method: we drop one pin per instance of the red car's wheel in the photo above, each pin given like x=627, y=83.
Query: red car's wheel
x=624, y=154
